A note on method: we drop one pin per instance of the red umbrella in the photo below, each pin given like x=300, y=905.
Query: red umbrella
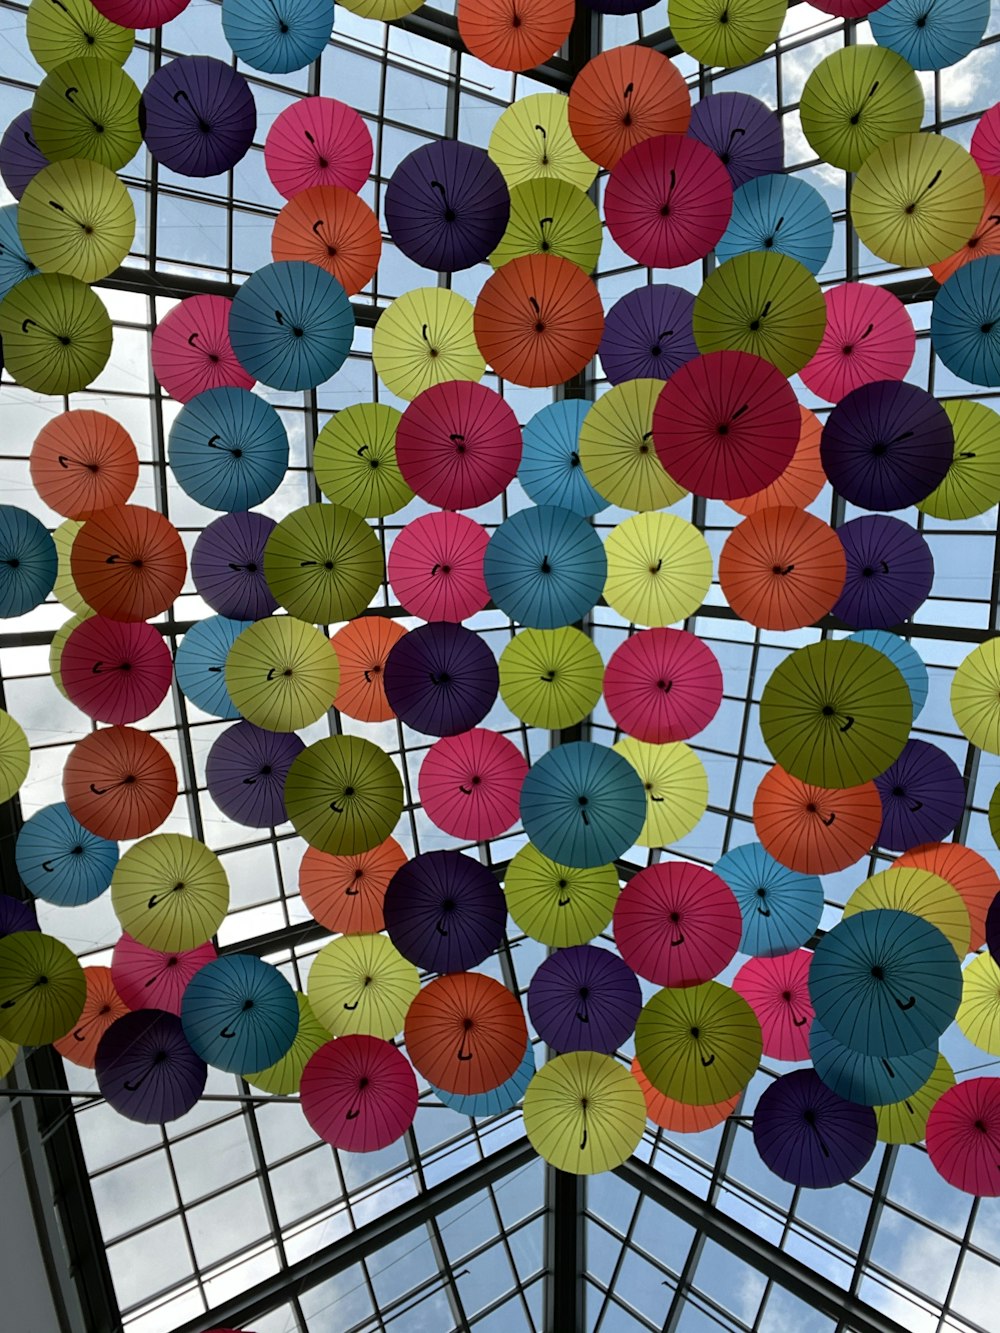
x=782, y=568
x=436, y=567
x=345, y=893
x=191, y=351
x=470, y=785
x=869, y=336
x=128, y=563
x=801, y=481
x=119, y=783
x=777, y=990
x=466, y=1033
x=116, y=672
x=663, y=685
x=149, y=979
x=815, y=830
x=679, y=1117
x=625, y=95
x=359, y=1093
x=514, y=34
x=83, y=462
x=100, y=1009
x=317, y=141
x=969, y=874
x=963, y=1136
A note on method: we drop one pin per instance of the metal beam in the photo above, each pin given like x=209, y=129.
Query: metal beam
x=565, y=1252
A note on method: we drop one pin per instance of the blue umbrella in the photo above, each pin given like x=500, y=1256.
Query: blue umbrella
x=239, y=1014
x=779, y=213
x=550, y=470
x=904, y=657
x=228, y=449
x=869, y=1080
x=582, y=804
x=28, y=561
x=277, y=36
x=781, y=909
x=931, y=34
x=965, y=322
x=545, y=567
x=498, y=1100
x=14, y=263
x=62, y=862
x=291, y=325
x=200, y=664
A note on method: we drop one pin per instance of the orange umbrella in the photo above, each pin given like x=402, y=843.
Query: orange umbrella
x=345, y=893
x=362, y=647
x=812, y=829
x=782, y=568
x=986, y=241
x=678, y=1116
x=514, y=34
x=128, y=563
x=100, y=1009
x=538, y=320
x=466, y=1033
x=801, y=481
x=623, y=96
x=119, y=783
x=333, y=228
x=969, y=874
x=82, y=462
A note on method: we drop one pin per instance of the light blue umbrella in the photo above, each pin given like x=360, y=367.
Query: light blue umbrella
x=28, y=561
x=780, y=213
x=239, y=1014
x=781, y=909
x=62, y=862
x=545, y=567
x=200, y=664
x=14, y=262
x=902, y=654
x=550, y=470
x=277, y=36
x=228, y=449
x=869, y=1080
x=583, y=805
x=497, y=1100
x=965, y=322
x=931, y=34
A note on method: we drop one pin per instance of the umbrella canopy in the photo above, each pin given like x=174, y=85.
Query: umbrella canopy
x=56, y=334
x=198, y=116
x=345, y=893
x=191, y=351
x=60, y=861
x=16, y=915
x=584, y=1113
x=968, y=873
x=808, y=1135
x=890, y=571
x=659, y=569
x=963, y=321
x=972, y=484
x=802, y=479
x=584, y=999
x=676, y=1116
x=282, y=674
x=20, y=157
x=15, y=756
x=545, y=567
x=64, y=589
x=42, y=988
x=354, y=460
x=559, y=905
x=147, y=1070
x=550, y=471
x=616, y=449
x=533, y=138
x=330, y=226
x=906, y=1121
x=277, y=37
x=466, y=1033
x=920, y=892
x=317, y=141
x=359, y=1093
x=867, y=1079
x=985, y=146
x=436, y=567
x=780, y=908
x=362, y=984
x=470, y=785
x=742, y=131
x=777, y=990
x=323, y=563
x=815, y=830
x=363, y=647
x=551, y=678
x=676, y=786
x=663, y=685
x=963, y=1136
x=28, y=562
x=239, y=1013
x=284, y=1077
x=445, y=912
x=923, y=796
x=732, y=36
x=549, y=216
x=985, y=240
x=101, y=1008
x=246, y=770
x=141, y=13
x=200, y=664
x=782, y=568
x=170, y=892
x=82, y=462
x=783, y=214
x=517, y=37
x=228, y=449
x=116, y=672
x=855, y=100
x=14, y=262
x=76, y=217
x=425, y=337
x=129, y=563
x=87, y=108
x=648, y=333
x=979, y=1013
x=623, y=96
x=291, y=325
x=120, y=783
x=498, y=1100
x=699, y=1045
x=154, y=978
x=931, y=38
x=227, y=565
x=869, y=336
x=975, y=696
x=344, y=795
x=441, y=679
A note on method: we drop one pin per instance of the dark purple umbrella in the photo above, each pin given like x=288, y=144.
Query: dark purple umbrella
x=743, y=132
x=923, y=796
x=890, y=570
x=648, y=334
x=619, y=6
x=993, y=929
x=147, y=1070
x=584, y=999
x=887, y=445
x=197, y=116
x=246, y=773
x=227, y=565
x=445, y=912
x=441, y=679
x=807, y=1134
x=447, y=205
x=16, y=915
x=20, y=158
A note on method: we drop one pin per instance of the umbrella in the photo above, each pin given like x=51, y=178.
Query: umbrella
x=963, y=1136
x=359, y=1093
x=559, y=905
x=447, y=205
x=923, y=796
x=931, y=37
x=458, y=445
x=56, y=334
x=676, y=787
x=972, y=484
x=470, y=785
x=425, y=337
x=466, y=1033
x=497, y=1101
x=582, y=804
x=291, y=325
x=200, y=664
x=890, y=572
x=239, y=1013
x=906, y=1121
x=985, y=147
x=677, y=924
x=920, y=892
x=16, y=915
x=808, y=1135
x=330, y=226
x=815, y=830
x=545, y=567
x=780, y=907
x=20, y=158
x=782, y=568
x=584, y=999
x=170, y=892
x=227, y=565
x=852, y=9
x=551, y=678
x=783, y=214
x=550, y=471
x=282, y=674
x=648, y=333
x=284, y=1077
x=678, y=1117
x=835, y=714
x=584, y=1113
x=345, y=893
x=699, y=1045
x=963, y=320
x=744, y=132
x=116, y=672
x=659, y=569
x=623, y=96
x=101, y=1008
x=128, y=563
x=436, y=567
x=153, y=978
x=344, y=795
x=855, y=100
x=147, y=1070
x=76, y=217
x=246, y=770
x=354, y=460
x=197, y=116
x=777, y=990
x=516, y=37
x=726, y=424
x=550, y=216
x=616, y=449
x=120, y=783
x=979, y=1013
x=317, y=141
x=362, y=984
x=64, y=589
x=441, y=679
x=984, y=242
x=87, y=108
x=445, y=912
x=14, y=262
x=968, y=872
x=975, y=696
x=140, y=13
x=532, y=137
x=42, y=988
x=902, y=654
x=323, y=563
x=362, y=647
x=28, y=562
x=228, y=449
x=60, y=861
x=735, y=35
x=277, y=37
x=868, y=1080
x=15, y=756
x=82, y=462
x=869, y=336
x=191, y=351
x=663, y=685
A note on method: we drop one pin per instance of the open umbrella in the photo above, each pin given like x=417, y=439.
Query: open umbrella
x=963, y=1136
x=200, y=664
x=975, y=696
x=514, y=36
x=920, y=892
x=445, y=912
x=648, y=333
x=698, y=1045
x=906, y=1121
x=141, y=13
x=465, y=1033
x=964, y=319
x=359, y=1093
x=170, y=892
x=777, y=990
x=344, y=795
x=856, y=99
x=533, y=138
x=291, y=325
x=623, y=96
x=76, y=217
x=470, y=785
x=60, y=861
x=425, y=337
x=72, y=30
x=676, y=786
x=441, y=679
x=17, y=915
x=282, y=674
x=284, y=1077
x=931, y=37
x=780, y=907
x=15, y=756
x=676, y=1116
x=783, y=214
x=809, y=1135
x=362, y=984
x=345, y=893
x=317, y=141
x=549, y=216
x=903, y=655
x=985, y=240
x=20, y=157
x=246, y=770
x=815, y=830
x=354, y=460
x=227, y=565
x=545, y=567
x=42, y=988
x=14, y=262
x=363, y=647
x=101, y=1008
x=56, y=334
x=735, y=35
x=551, y=678
x=436, y=567
x=228, y=449
x=277, y=37
x=498, y=1100
x=584, y=999
x=87, y=108
x=146, y=1068
x=616, y=449
x=239, y=1013
x=154, y=978
x=64, y=589
x=191, y=351
x=116, y=672
x=550, y=471
x=28, y=562
x=120, y=783
x=559, y=905
x=968, y=872
x=782, y=568
x=659, y=569
x=197, y=116
x=663, y=685
x=323, y=563
x=972, y=483
x=82, y=462
x=985, y=147
x=128, y=563
x=330, y=226
x=923, y=796
x=869, y=336
x=584, y=1113
x=742, y=131
x=890, y=572
x=979, y=1013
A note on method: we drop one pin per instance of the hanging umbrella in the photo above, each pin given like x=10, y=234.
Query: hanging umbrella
x=277, y=37
x=228, y=449
x=200, y=665
x=726, y=424
x=984, y=242
x=979, y=1013
x=559, y=905
x=968, y=873
x=82, y=462
x=779, y=213
x=345, y=893
x=20, y=157
x=533, y=138
x=87, y=108
x=782, y=568
x=777, y=990
x=445, y=912
x=550, y=471
x=906, y=1121
x=246, y=770
x=146, y=1069
x=582, y=804
x=869, y=336
x=317, y=141
x=191, y=352
x=808, y=1135
x=857, y=99
x=16, y=915
x=56, y=334
x=436, y=567
x=699, y=1045
x=851, y=9
x=282, y=674
x=975, y=696
x=354, y=460
x=920, y=892
x=441, y=679
x=678, y=1117
x=985, y=146
x=676, y=786
x=141, y=13
x=545, y=567
x=903, y=656
x=60, y=861
x=659, y=569
x=76, y=217
x=170, y=892
x=42, y=988
x=239, y=1013
x=425, y=337
x=64, y=589
x=153, y=978
x=815, y=830
x=735, y=35
x=15, y=265
x=344, y=795
x=101, y=1008
x=497, y=1101
x=465, y=1033
x=284, y=1077
x=616, y=449
x=663, y=685
x=551, y=678
x=965, y=314
x=59, y=639
x=291, y=325
x=470, y=785
x=514, y=36
x=129, y=563
x=359, y=1093
x=648, y=333
x=623, y=96
x=323, y=563
x=890, y=572
x=15, y=756
x=972, y=484
x=120, y=783
x=330, y=226
x=931, y=37
x=584, y=999
x=28, y=562
x=963, y=1136
x=780, y=907
x=742, y=131
x=923, y=796
x=362, y=984
x=801, y=481
x=116, y=672
x=227, y=565
x=197, y=116
x=584, y=1113
x=363, y=647
x=550, y=216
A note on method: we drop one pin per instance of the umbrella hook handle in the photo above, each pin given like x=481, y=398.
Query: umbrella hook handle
x=710, y=1061
x=564, y=902
x=746, y=406
x=466, y=790
x=918, y=805
x=225, y=1032
x=449, y=213
x=545, y=144
x=829, y=822
x=134, y=1086
x=549, y=676
x=848, y=724
x=203, y=124
x=336, y=808
x=674, y=944
x=39, y=981
x=800, y=1022
x=810, y=1119
x=868, y=331
x=856, y=118
x=466, y=1029
x=967, y=454
x=905, y=1004
x=360, y=451
x=762, y=910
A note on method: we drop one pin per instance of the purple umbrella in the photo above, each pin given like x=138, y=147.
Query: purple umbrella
x=197, y=116
x=743, y=132
x=648, y=334
x=619, y=6
x=887, y=445
x=441, y=679
x=923, y=796
x=807, y=1134
x=20, y=159
x=584, y=999
x=246, y=773
x=447, y=205
x=147, y=1070
x=227, y=565
x=993, y=929
x=15, y=916
x=445, y=912
x=890, y=570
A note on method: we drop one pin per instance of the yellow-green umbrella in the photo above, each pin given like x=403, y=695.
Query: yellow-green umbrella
x=698, y=1045
x=170, y=892
x=344, y=795
x=65, y=589
x=8, y=1054
x=558, y=905
x=676, y=786
x=323, y=563
x=384, y=11
x=979, y=1013
x=87, y=108
x=975, y=696
x=354, y=460
x=659, y=569
x=283, y=1078
x=729, y=34
x=920, y=892
x=59, y=643
x=76, y=217
x=906, y=1121
x=15, y=756
x=56, y=334
x=282, y=674
x=551, y=678
x=60, y=30
x=532, y=138
x=584, y=1112
x=617, y=451
x=42, y=988
x=972, y=483
x=855, y=100
x=549, y=216
x=362, y=984
x=426, y=337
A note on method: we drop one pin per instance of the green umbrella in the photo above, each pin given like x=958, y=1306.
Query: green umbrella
x=906, y=1121
x=76, y=217
x=56, y=333
x=8, y=1054
x=60, y=30
x=551, y=678
x=559, y=905
x=323, y=563
x=836, y=714
x=59, y=643
x=354, y=460
x=975, y=696
x=87, y=108
x=42, y=988
x=994, y=814
x=856, y=100
x=584, y=1112
x=170, y=892
x=362, y=984
x=617, y=451
x=15, y=756
x=698, y=1045
x=282, y=674
x=344, y=795
x=549, y=216
x=728, y=34
x=64, y=589
x=283, y=1078
x=972, y=483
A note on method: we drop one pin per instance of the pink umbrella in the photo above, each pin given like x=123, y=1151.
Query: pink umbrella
x=458, y=444
x=777, y=990
x=317, y=141
x=191, y=351
x=986, y=142
x=677, y=924
x=869, y=336
x=436, y=567
x=668, y=201
x=963, y=1136
x=663, y=685
x=470, y=785
x=141, y=13
x=848, y=9
x=359, y=1093
x=116, y=672
x=148, y=979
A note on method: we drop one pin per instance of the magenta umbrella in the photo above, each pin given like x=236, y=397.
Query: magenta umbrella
x=246, y=770
x=148, y=979
x=743, y=132
x=227, y=565
x=359, y=1093
x=116, y=672
x=663, y=685
x=963, y=1136
x=777, y=990
x=436, y=567
x=470, y=785
x=191, y=351
x=317, y=141
x=868, y=336
x=890, y=571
